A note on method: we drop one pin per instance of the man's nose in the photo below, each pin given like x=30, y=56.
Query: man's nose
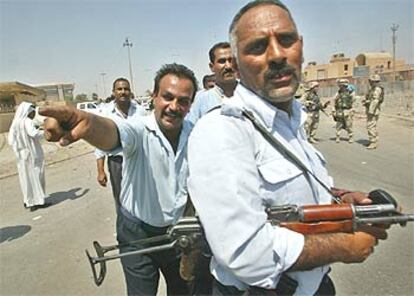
x=228, y=64
x=174, y=105
x=275, y=52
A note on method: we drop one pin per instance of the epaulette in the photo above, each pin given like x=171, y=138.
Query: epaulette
x=231, y=110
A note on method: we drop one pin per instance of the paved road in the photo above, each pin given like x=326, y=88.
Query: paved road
x=42, y=252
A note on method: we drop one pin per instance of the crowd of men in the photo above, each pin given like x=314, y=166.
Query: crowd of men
x=206, y=149
x=344, y=109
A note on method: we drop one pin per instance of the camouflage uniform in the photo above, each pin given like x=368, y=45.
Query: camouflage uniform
x=372, y=103
x=312, y=104
x=344, y=101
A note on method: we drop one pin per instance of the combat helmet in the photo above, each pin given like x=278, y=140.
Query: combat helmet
x=312, y=85
x=375, y=78
x=342, y=81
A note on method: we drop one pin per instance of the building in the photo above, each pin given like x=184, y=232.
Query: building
x=56, y=92
x=363, y=65
x=13, y=93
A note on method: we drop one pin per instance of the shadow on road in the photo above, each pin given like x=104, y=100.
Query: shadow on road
x=363, y=142
x=58, y=197
x=10, y=233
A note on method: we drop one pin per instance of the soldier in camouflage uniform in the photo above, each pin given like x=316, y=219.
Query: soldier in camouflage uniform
x=343, y=113
x=372, y=103
x=313, y=105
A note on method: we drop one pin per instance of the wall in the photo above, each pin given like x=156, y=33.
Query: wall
x=5, y=121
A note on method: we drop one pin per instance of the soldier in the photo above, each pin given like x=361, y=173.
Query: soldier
x=372, y=103
x=343, y=114
x=313, y=105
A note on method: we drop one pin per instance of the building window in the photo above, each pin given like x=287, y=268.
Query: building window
x=320, y=74
x=345, y=67
x=389, y=65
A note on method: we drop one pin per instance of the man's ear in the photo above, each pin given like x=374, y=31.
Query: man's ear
x=235, y=65
x=211, y=65
x=301, y=41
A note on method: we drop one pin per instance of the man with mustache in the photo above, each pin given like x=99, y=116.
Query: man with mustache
x=236, y=173
x=221, y=64
x=154, y=176
x=124, y=108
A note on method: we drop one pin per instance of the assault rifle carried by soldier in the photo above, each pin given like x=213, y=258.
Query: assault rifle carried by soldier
x=343, y=113
x=313, y=105
x=372, y=103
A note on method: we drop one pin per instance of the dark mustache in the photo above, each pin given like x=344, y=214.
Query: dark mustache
x=173, y=113
x=228, y=71
x=279, y=70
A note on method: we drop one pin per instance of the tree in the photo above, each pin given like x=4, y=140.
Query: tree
x=81, y=97
x=95, y=97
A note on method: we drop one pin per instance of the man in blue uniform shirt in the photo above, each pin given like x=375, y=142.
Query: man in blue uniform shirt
x=235, y=173
x=124, y=108
x=154, y=176
x=221, y=64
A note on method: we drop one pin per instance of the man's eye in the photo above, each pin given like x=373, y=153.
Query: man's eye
x=288, y=40
x=257, y=47
x=184, y=102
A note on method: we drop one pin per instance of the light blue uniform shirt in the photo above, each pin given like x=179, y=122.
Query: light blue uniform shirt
x=204, y=102
x=235, y=174
x=154, y=178
x=109, y=110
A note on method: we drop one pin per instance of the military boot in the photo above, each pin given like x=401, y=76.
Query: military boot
x=312, y=140
x=351, y=140
x=373, y=145
x=337, y=139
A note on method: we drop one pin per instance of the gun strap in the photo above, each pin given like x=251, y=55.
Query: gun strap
x=286, y=152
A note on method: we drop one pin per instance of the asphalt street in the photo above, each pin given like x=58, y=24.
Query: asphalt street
x=43, y=252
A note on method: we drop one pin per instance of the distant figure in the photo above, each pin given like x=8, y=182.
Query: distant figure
x=313, y=105
x=24, y=138
x=372, y=103
x=343, y=114
x=120, y=107
x=209, y=81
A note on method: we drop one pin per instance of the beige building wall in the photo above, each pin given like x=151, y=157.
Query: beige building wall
x=342, y=67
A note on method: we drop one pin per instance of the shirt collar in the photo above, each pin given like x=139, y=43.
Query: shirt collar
x=152, y=125
x=131, y=111
x=266, y=112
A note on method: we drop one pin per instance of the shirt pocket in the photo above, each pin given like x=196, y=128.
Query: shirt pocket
x=278, y=170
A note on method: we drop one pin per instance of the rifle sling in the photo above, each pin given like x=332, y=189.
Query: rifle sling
x=286, y=152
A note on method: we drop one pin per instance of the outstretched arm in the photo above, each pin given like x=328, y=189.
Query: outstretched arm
x=67, y=125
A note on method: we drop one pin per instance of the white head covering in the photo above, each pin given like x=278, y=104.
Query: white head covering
x=16, y=138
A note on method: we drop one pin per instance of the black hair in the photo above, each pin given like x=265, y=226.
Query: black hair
x=120, y=79
x=178, y=70
x=213, y=49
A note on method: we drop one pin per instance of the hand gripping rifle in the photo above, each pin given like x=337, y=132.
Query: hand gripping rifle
x=187, y=234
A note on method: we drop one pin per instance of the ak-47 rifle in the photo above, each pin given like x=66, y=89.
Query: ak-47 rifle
x=187, y=234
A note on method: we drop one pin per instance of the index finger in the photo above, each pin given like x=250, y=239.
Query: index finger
x=61, y=113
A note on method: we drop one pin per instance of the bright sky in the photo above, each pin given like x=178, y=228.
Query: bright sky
x=74, y=41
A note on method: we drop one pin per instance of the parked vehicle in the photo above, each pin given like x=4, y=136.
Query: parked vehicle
x=88, y=107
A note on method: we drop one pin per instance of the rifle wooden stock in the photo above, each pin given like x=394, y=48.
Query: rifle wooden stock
x=332, y=212
x=321, y=227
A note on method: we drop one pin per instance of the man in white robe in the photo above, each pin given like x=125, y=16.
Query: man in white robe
x=24, y=138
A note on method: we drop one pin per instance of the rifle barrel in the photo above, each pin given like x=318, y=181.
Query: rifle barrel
x=398, y=219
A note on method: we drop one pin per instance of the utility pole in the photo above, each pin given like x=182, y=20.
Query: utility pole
x=394, y=29
x=129, y=45
x=103, y=81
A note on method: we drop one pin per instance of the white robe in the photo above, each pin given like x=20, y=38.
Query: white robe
x=24, y=137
